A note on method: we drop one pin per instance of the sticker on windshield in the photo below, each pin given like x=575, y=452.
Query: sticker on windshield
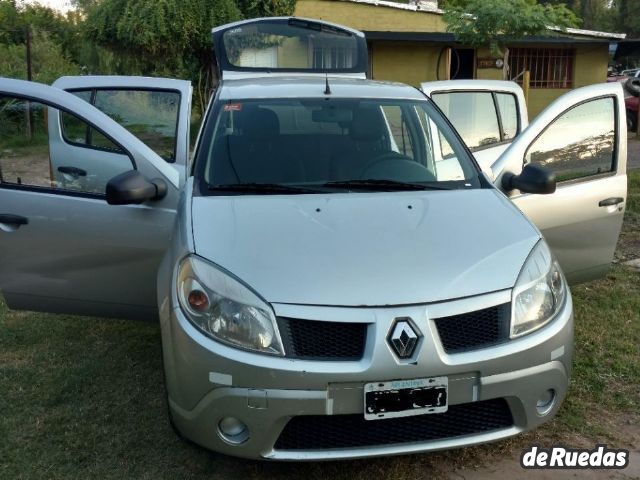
x=233, y=107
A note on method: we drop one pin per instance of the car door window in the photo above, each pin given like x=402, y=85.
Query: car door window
x=78, y=133
x=483, y=119
x=474, y=116
x=31, y=157
x=151, y=115
x=591, y=126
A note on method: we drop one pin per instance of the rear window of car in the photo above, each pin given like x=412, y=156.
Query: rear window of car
x=483, y=119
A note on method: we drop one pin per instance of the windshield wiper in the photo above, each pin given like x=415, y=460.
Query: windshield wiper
x=261, y=188
x=373, y=184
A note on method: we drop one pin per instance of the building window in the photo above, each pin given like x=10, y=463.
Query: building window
x=332, y=55
x=332, y=58
x=549, y=67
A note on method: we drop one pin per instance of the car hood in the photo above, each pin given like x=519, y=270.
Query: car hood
x=366, y=249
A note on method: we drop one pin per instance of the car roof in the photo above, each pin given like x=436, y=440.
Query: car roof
x=471, y=85
x=312, y=86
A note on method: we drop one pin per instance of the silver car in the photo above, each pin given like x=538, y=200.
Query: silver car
x=334, y=273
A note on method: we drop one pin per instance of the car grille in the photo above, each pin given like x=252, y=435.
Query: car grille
x=352, y=431
x=314, y=340
x=474, y=330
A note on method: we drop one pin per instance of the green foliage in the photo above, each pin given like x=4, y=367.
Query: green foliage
x=605, y=15
x=49, y=61
x=492, y=22
x=161, y=38
x=628, y=17
x=130, y=37
x=164, y=27
x=266, y=8
x=12, y=28
x=54, y=37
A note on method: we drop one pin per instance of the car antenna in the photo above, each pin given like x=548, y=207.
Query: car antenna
x=327, y=89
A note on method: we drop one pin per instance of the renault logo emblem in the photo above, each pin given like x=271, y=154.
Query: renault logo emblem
x=403, y=338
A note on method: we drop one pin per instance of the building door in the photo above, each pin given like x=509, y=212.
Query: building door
x=462, y=64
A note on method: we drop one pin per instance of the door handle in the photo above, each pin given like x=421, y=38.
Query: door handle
x=610, y=202
x=13, y=219
x=73, y=171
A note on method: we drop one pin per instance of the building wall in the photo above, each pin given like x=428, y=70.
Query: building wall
x=370, y=17
x=411, y=63
x=488, y=73
x=590, y=67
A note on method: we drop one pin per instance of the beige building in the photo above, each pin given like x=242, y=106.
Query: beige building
x=408, y=42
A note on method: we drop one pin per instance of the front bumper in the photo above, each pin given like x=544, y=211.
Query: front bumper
x=208, y=381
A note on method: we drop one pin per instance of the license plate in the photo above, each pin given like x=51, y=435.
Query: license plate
x=405, y=398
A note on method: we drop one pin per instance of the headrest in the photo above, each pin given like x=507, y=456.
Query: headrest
x=259, y=123
x=367, y=125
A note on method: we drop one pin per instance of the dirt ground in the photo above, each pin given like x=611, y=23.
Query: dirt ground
x=628, y=432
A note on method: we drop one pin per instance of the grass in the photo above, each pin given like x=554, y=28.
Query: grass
x=84, y=397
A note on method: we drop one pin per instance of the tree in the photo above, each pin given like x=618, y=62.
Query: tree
x=492, y=23
x=595, y=14
x=266, y=8
x=49, y=61
x=50, y=33
x=12, y=27
x=161, y=38
x=628, y=17
x=169, y=37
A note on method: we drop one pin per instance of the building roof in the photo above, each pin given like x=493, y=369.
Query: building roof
x=429, y=8
x=450, y=38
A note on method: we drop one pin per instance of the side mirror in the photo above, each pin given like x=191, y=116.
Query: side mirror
x=132, y=188
x=533, y=179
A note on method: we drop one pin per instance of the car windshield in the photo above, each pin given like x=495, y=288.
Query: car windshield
x=320, y=145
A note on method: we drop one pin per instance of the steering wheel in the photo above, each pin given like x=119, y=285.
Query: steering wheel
x=398, y=167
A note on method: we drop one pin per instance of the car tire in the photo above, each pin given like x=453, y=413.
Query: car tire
x=632, y=85
x=632, y=121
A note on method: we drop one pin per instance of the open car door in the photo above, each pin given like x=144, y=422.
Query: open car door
x=582, y=139
x=63, y=248
x=488, y=114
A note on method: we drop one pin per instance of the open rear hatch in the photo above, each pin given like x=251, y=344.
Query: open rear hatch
x=285, y=45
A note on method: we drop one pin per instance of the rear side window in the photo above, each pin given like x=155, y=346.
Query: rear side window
x=482, y=119
x=508, y=110
x=150, y=115
x=33, y=156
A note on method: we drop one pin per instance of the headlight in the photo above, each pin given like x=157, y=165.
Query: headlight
x=539, y=291
x=223, y=308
